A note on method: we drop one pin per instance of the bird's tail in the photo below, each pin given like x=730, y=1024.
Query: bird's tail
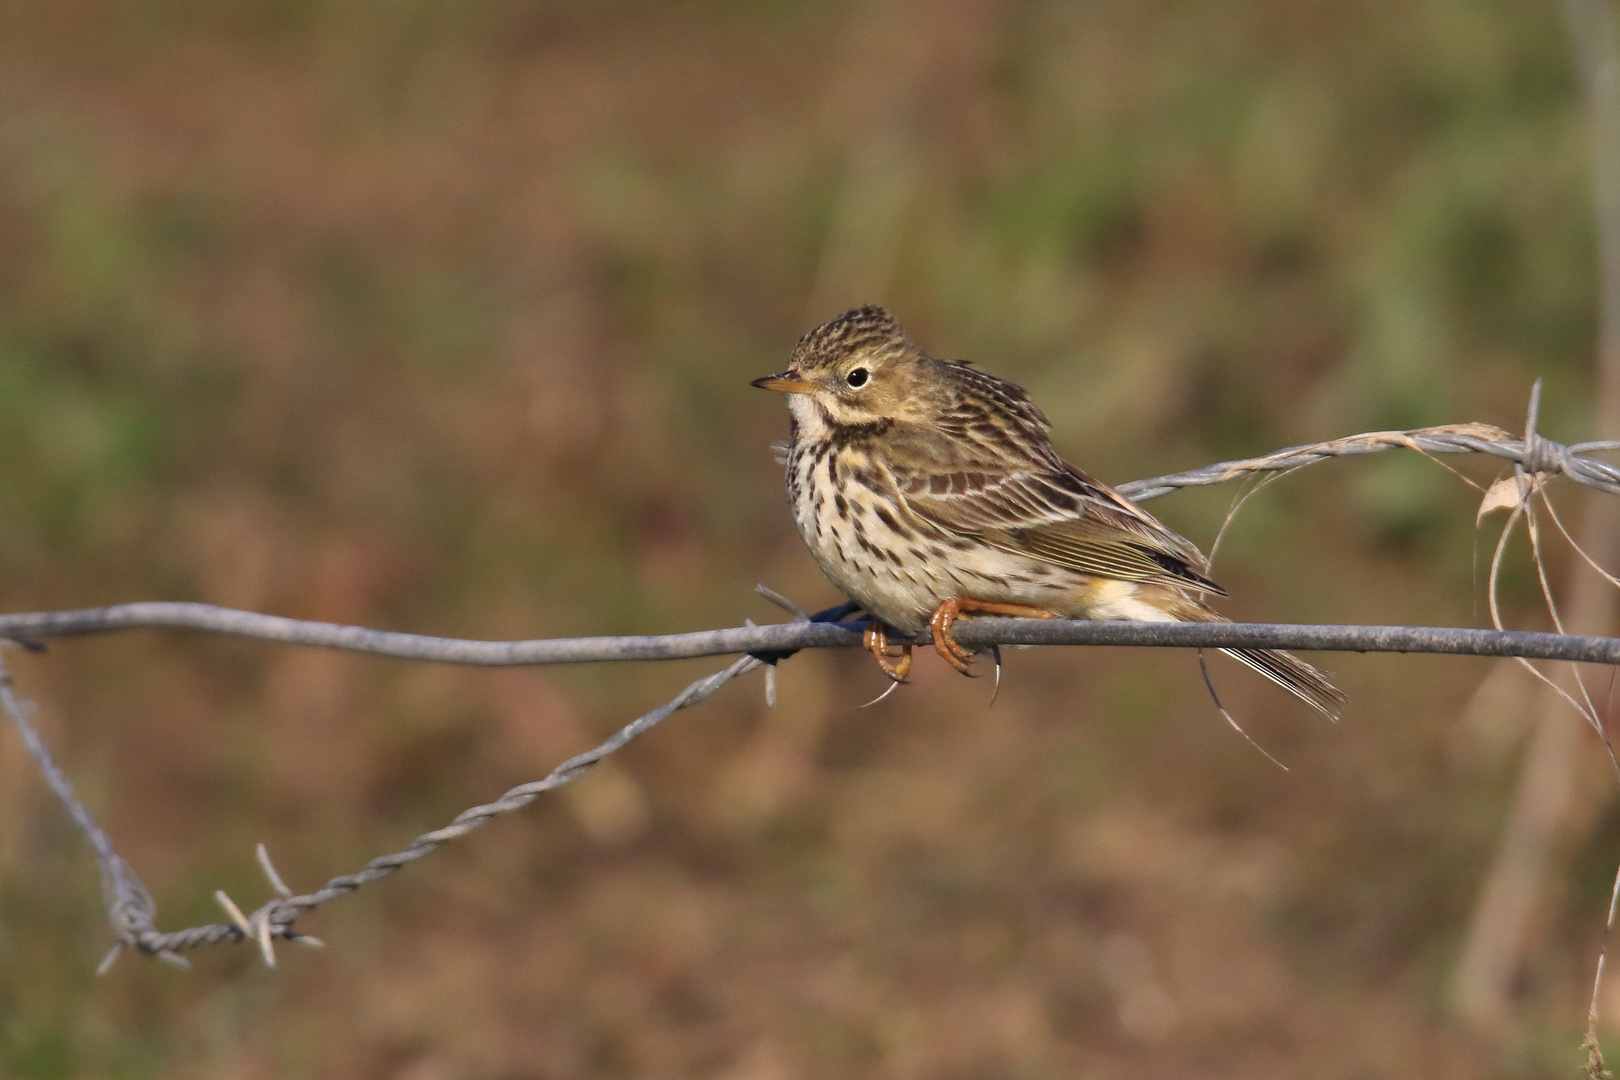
x=1294, y=675
x=1285, y=669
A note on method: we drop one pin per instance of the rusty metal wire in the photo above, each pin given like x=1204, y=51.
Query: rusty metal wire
x=132, y=913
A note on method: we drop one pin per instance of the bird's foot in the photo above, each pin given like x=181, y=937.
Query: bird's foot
x=895, y=664
x=948, y=612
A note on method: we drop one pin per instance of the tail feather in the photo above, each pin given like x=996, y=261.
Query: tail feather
x=1296, y=676
x=1285, y=669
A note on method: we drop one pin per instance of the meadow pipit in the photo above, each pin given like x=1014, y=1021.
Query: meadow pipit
x=927, y=489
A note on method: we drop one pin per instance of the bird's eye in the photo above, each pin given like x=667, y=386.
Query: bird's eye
x=857, y=377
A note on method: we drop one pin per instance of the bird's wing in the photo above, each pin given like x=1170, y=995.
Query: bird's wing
x=1039, y=506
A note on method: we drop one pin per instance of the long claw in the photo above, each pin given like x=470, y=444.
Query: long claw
x=886, y=692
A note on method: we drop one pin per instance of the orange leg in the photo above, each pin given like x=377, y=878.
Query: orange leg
x=948, y=612
x=876, y=639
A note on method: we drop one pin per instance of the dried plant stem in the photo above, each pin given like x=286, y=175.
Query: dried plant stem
x=1546, y=810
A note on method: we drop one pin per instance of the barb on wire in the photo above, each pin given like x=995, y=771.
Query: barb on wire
x=131, y=910
x=275, y=918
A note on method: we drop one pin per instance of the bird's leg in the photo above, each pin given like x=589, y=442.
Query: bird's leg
x=950, y=609
x=876, y=639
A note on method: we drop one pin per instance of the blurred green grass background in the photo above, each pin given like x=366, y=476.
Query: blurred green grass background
x=439, y=317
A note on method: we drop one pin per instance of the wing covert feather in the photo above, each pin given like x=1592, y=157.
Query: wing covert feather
x=1043, y=508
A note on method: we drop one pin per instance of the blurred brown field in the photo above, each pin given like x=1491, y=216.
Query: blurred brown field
x=439, y=317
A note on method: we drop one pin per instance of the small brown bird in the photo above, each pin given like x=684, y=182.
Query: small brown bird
x=927, y=489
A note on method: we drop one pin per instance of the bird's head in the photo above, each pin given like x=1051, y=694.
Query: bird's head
x=859, y=369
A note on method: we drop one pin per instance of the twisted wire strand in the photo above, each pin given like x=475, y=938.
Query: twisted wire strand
x=131, y=911
x=1537, y=454
x=137, y=931
x=130, y=908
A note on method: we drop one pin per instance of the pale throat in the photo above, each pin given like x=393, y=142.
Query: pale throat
x=817, y=415
x=810, y=417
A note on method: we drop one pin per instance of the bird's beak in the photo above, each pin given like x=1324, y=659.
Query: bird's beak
x=787, y=382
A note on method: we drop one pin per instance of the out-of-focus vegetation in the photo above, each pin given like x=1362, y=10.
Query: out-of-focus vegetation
x=439, y=316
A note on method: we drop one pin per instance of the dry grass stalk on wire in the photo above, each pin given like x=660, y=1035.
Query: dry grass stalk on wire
x=131, y=911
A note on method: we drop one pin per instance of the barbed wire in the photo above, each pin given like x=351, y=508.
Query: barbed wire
x=1536, y=454
x=132, y=913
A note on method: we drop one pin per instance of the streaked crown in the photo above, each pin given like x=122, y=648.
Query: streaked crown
x=870, y=332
